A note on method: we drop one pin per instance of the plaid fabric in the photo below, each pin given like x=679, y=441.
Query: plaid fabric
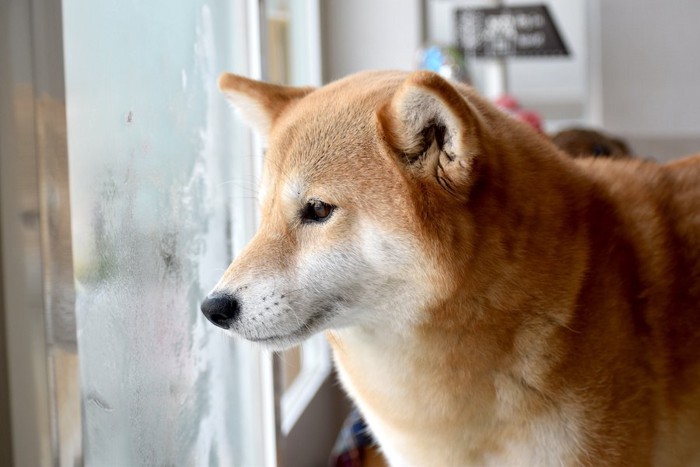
x=353, y=439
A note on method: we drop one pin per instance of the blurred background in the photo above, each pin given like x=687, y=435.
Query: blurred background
x=127, y=185
x=630, y=70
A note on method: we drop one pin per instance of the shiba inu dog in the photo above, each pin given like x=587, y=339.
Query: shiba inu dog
x=489, y=300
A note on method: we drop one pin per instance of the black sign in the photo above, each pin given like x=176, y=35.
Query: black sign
x=508, y=32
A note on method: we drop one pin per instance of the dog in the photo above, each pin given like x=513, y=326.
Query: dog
x=584, y=142
x=488, y=299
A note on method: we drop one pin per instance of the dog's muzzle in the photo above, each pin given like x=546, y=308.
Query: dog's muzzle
x=221, y=310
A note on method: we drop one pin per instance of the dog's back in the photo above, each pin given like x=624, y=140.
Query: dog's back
x=681, y=326
x=646, y=237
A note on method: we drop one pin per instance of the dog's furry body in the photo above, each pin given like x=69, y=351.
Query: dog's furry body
x=489, y=301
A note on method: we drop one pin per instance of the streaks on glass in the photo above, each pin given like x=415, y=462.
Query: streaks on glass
x=149, y=229
x=97, y=400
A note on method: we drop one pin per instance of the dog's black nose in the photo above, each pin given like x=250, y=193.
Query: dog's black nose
x=221, y=310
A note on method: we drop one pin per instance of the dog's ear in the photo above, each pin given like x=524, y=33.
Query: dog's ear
x=432, y=128
x=259, y=103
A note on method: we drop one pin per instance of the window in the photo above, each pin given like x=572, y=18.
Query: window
x=152, y=160
x=143, y=191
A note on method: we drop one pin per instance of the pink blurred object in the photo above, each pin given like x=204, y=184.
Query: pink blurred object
x=507, y=102
x=511, y=106
x=531, y=117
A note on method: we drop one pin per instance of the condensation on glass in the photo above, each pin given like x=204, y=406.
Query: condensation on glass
x=152, y=176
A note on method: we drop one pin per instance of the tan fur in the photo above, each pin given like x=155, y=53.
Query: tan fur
x=489, y=300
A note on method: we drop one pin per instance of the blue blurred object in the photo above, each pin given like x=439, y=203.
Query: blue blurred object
x=354, y=438
x=448, y=62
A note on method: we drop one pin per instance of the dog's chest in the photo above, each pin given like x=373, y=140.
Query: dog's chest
x=419, y=420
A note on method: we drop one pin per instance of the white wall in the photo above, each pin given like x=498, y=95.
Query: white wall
x=369, y=34
x=651, y=67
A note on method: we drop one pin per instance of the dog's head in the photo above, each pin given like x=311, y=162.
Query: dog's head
x=360, y=178
x=583, y=142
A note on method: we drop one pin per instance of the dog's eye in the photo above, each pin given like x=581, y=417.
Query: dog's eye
x=600, y=150
x=316, y=211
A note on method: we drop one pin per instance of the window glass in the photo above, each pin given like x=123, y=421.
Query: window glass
x=159, y=178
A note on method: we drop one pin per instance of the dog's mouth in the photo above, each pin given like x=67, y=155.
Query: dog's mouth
x=280, y=341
